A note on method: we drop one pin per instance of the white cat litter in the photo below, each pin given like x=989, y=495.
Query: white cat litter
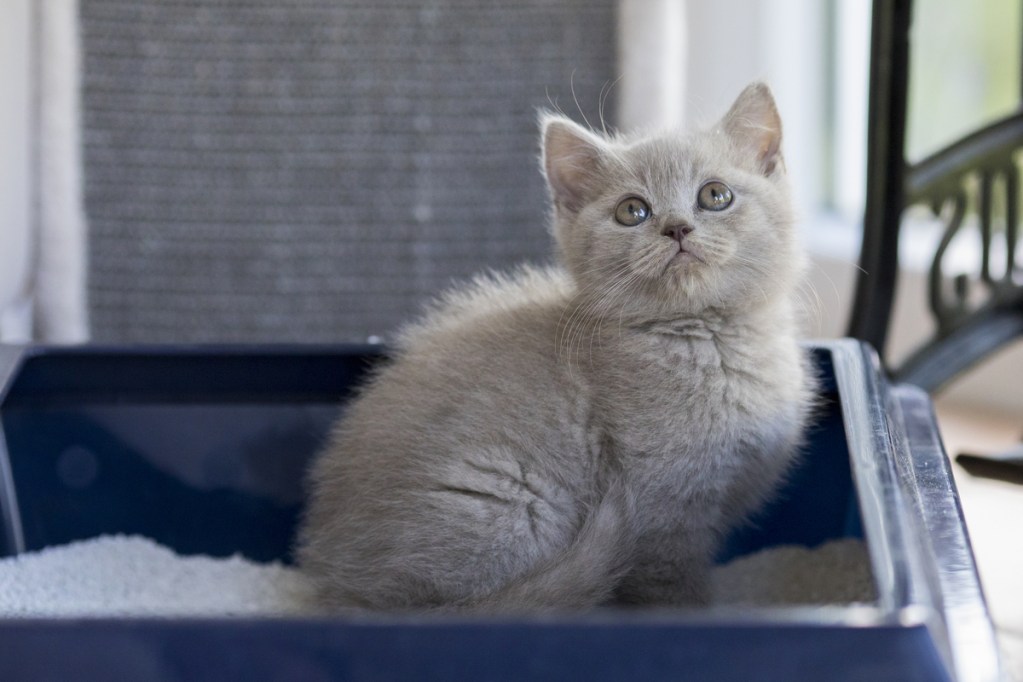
x=837, y=572
x=133, y=576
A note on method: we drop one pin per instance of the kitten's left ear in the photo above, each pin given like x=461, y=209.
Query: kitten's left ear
x=753, y=123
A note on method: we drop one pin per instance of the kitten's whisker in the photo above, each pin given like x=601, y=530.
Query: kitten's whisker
x=622, y=286
x=600, y=307
x=580, y=300
x=821, y=269
x=571, y=84
x=597, y=307
x=582, y=307
x=605, y=92
x=812, y=305
x=621, y=308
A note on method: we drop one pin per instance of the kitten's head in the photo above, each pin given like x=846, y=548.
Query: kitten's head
x=676, y=223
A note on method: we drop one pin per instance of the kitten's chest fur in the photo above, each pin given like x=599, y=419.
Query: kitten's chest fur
x=692, y=406
x=660, y=381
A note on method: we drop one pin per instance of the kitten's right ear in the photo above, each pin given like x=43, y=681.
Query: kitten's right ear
x=571, y=161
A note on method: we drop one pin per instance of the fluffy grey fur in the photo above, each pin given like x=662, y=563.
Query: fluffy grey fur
x=571, y=437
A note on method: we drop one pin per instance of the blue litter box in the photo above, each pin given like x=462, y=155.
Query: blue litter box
x=203, y=449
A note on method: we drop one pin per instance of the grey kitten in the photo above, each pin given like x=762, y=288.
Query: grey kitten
x=566, y=438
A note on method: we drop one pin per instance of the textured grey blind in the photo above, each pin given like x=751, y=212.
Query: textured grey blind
x=308, y=170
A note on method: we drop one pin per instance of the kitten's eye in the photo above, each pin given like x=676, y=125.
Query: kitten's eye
x=714, y=196
x=631, y=211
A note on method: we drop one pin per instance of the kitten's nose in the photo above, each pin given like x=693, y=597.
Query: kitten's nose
x=677, y=232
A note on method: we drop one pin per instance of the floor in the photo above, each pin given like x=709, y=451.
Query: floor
x=994, y=512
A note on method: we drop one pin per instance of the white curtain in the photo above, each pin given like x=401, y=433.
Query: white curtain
x=15, y=146
x=58, y=285
x=652, y=51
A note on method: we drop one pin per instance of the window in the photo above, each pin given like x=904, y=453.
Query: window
x=964, y=69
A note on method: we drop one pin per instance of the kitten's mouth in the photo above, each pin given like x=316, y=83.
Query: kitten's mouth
x=686, y=254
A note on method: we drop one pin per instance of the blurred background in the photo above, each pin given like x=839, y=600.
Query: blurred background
x=254, y=170
x=218, y=170
x=313, y=171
